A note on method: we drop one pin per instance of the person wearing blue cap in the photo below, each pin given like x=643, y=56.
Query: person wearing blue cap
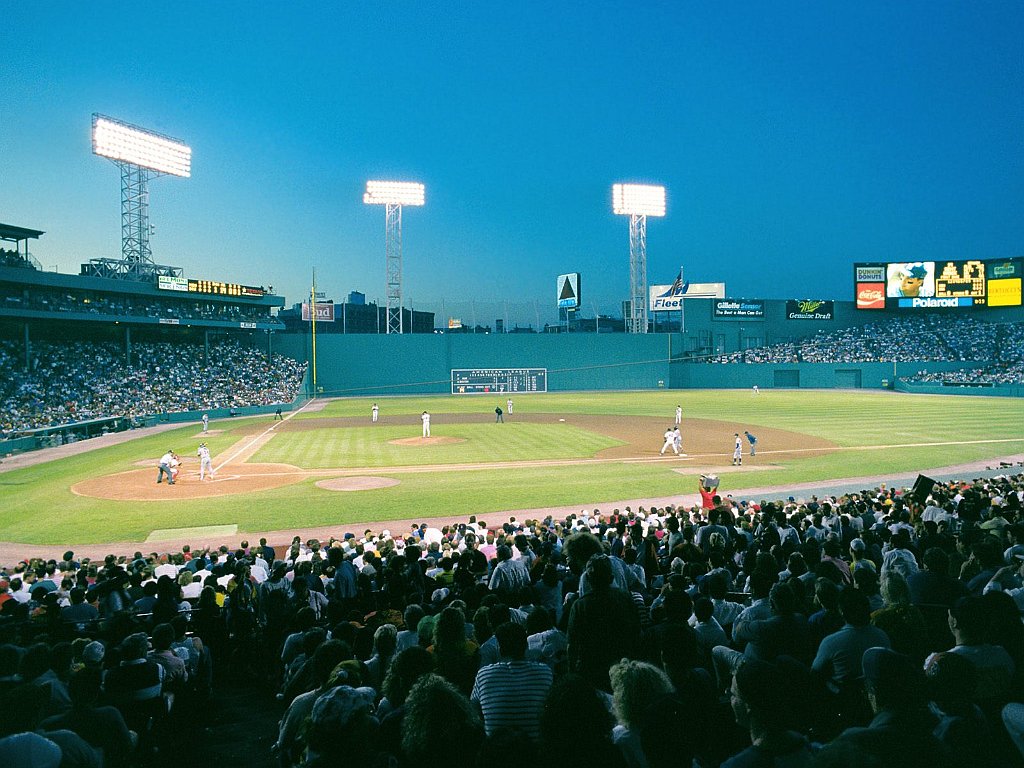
x=911, y=279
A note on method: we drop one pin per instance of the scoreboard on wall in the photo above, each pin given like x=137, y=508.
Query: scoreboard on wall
x=482, y=381
x=208, y=287
x=938, y=284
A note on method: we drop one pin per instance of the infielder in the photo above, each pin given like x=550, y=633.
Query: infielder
x=165, y=467
x=679, y=414
x=205, y=462
x=426, y=424
x=509, y=409
x=677, y=438
x=737, y=452
x=670, y=441
x=206, y=422
x=373, y=413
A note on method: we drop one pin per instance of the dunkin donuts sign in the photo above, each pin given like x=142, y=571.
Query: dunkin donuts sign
x=871, y=295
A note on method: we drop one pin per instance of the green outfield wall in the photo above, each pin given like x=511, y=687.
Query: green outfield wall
x=377, y=365
x=360, y=364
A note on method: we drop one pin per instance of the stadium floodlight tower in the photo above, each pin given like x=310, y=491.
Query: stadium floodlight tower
x=141, y=155
x=393, y=195
x=638, y=201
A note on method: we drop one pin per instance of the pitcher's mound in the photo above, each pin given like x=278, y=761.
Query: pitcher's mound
x=356, y=483
x=426, y=441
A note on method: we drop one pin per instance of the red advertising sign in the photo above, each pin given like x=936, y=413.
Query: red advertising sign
x=870, y=295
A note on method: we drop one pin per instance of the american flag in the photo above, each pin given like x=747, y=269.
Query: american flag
x=678, y=287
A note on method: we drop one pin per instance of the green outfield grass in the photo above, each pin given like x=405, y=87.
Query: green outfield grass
x=370, y=446
x=36, y=505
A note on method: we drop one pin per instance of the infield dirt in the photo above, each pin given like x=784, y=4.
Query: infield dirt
x=707, y=442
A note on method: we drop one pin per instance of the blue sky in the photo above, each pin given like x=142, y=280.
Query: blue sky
x=793, y=138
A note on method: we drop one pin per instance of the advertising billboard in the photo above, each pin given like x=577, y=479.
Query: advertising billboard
x=810, y=309
x=568, y=291
x=667, y=298
x=938, y=284
x=738, y=309
x=324, y=312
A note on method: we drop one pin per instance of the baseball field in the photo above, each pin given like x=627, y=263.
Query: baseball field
x=328, y=465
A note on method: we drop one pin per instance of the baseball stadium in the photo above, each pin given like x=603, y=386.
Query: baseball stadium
x=759, y=520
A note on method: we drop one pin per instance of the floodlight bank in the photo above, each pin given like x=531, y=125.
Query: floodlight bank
x=125, y=143
x=638, y=199
x=394, y=193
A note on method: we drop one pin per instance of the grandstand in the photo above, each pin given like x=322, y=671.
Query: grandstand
x=110, y=353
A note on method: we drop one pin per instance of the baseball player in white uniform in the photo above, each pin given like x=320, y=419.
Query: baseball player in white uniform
x=737, y=452
x=426, y=424
x=206, y=422
x=509, y=409
x=205, y=462
x=670, y=441
x=679, y=414
x=373, y=413
x=677, y=440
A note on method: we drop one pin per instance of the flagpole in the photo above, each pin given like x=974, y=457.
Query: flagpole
x=682, y=312
x=312, y=316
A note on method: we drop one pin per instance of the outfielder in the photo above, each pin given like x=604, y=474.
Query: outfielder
x=205, y=462
x=426, y=424
x=509, y=409
x=737, y=452
x=373, y=413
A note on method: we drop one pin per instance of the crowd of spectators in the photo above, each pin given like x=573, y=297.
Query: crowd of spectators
x=873, y=629
x=1007, y=368
x=78, y=381
x=904, y=339
x=11, y=258
x=124, y=306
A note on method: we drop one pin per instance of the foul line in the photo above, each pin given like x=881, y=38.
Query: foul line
x=260, y=436
x=542, y=463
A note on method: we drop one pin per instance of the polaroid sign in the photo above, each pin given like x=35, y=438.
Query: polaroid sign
x=738, y=308
x=930, y=303
x=568, y=291
x=810, y=309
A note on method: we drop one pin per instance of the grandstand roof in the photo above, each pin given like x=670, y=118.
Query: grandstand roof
x=10, y=232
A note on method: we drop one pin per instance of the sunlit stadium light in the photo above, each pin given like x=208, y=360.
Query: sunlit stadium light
x=126, y=143
x=638, y=201
x=393, y=195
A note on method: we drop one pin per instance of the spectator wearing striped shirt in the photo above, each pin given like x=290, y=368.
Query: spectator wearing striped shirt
x=511, y=693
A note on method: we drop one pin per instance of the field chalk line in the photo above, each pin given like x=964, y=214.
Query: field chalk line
x=260, y=436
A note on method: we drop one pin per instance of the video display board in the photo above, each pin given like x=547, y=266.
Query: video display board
x=969, y=283
x=480, y=381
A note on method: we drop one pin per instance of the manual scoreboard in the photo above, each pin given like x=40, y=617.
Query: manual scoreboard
x=482, y=381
